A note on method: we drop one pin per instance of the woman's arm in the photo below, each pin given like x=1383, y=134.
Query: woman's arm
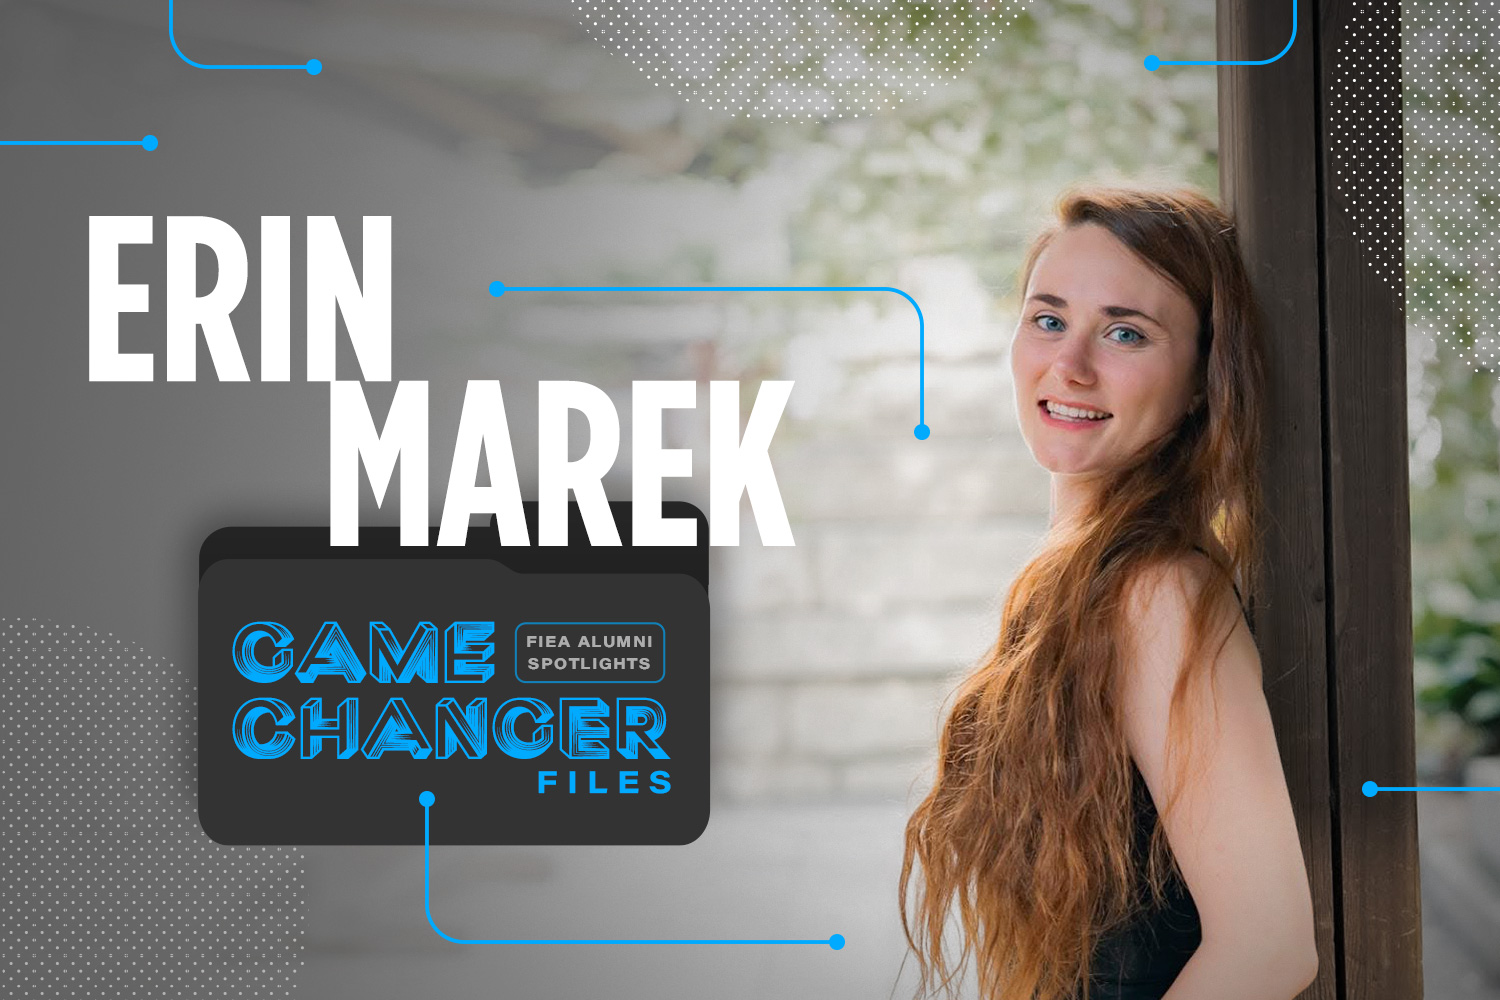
x=1232, y=828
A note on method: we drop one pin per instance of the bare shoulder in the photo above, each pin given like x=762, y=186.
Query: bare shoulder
x=1165, y=593
x=1184, y=575
x=1178, y=653
x=1161, y=616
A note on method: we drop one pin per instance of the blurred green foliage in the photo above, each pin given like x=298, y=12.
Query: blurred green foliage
x=1452, y=126
x=972, y=169
x=1455, y=498
x=1061, y=97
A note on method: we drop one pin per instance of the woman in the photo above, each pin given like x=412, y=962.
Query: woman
x=1124, y=684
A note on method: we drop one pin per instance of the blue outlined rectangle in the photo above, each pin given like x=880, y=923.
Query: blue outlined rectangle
x=569, y=658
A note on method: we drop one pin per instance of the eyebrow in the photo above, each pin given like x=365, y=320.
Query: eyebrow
x=1117, y=312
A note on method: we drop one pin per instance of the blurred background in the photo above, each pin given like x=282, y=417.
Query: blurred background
x=509, y=144
x=1452, y=123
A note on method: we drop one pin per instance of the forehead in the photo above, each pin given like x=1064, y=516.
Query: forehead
x=1088, y=266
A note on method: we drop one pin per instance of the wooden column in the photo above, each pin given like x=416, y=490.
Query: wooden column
x=1334, y=621
x=1369, y=532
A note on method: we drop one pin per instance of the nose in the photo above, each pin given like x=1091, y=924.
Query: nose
x=1074, y=361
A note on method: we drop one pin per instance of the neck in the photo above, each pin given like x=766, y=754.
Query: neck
x=1071, y=494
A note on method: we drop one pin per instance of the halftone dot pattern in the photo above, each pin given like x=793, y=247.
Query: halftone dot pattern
x=1366, y=150
x=791, y=60
x=1450, y=108
x=111, y=888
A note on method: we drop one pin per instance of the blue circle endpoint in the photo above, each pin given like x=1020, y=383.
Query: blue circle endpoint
x=427, y=799
x=149, y=143
x=1153, y=63
x=314, y=67
x=836, y=942
x=1369, y=788
x=497, y=288
x=922, y=432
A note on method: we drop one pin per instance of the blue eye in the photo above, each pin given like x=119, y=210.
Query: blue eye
x=1129, y=336
x=1049, y=323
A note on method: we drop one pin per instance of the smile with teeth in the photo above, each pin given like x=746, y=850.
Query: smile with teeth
x=1073, y=412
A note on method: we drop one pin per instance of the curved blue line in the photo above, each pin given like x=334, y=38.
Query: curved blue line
x=1152, y=62
x=427, y=903
x=312, y=67
x=497, y=289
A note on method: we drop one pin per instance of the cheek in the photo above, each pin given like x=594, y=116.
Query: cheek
x=1160, y=394
x=1025, y=367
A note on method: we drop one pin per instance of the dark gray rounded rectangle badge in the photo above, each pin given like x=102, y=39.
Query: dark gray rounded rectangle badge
x=591, y=652
x=337, y=684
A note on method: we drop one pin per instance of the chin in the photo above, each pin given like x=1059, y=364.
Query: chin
x=1072, y=468
x=1062, y=463
x=1060, y=454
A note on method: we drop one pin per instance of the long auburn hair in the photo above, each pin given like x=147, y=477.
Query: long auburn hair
x=1029, y=827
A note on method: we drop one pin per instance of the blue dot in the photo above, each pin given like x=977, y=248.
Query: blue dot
x=923, y=432
x=1152, y=62
x=836, y=942
x=1369, y=788
x=314, y=67
x=497, y=288
x=427, y=798
x=148, y=143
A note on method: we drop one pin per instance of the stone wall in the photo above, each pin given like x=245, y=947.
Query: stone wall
x=831, y=659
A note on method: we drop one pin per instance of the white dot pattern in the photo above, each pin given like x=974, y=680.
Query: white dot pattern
x=1366, y=150
x=111, y=888
x=1450, y=108
x=792, y=60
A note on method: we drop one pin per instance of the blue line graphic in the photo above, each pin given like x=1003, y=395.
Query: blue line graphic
x=922, y=432
x=1370, y=788
x=312, y=66
x=147, y=143
x=834, y=941
x=1153, y=62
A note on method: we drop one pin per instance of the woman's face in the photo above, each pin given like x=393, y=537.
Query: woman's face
x=1105, y=355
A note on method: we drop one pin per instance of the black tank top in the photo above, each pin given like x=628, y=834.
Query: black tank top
x=1140, y=960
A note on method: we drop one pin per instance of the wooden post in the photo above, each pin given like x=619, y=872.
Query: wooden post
x=1369, y=532
x=1334, y=621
